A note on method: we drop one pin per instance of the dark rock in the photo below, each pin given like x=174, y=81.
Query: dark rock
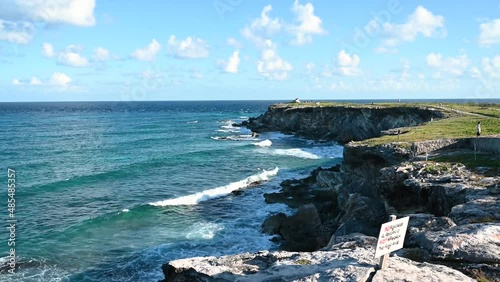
x=340, y=123
x=419, y=224
x=272, y=224
x=300, y=231
x=361, y=215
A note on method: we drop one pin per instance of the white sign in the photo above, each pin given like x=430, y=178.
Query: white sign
x=392, y=236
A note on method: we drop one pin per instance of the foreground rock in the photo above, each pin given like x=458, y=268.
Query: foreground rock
x=401, y=269
x=347, y=258
x=474, y=243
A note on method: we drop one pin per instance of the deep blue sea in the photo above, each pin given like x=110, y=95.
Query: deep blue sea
x=109, y=191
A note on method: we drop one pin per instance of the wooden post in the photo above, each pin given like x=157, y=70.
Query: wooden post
x=383, y=259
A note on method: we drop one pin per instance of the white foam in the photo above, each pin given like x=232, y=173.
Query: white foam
x=203, y=230
x=242, y=137
x=265, y=143
x=296, y=152
x=202, y=196
x=334, y=151
x=125, y=210
x=228, y=130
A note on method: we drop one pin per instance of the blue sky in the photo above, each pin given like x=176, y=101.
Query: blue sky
x=111, y=50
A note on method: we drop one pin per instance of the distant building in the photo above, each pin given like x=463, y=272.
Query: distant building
x=296, y=100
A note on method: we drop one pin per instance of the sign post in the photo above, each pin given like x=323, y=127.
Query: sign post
x=391, y=238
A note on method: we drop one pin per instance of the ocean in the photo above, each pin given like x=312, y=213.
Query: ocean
x=109, y=191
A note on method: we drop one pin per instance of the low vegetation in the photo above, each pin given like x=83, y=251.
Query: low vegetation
x=453, y=127
x=461, y=120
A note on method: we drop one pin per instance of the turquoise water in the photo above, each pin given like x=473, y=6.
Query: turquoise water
x=110, y=191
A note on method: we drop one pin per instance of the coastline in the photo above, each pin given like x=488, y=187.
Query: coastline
x=445, y=202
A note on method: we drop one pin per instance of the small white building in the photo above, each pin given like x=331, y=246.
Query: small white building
x=296, y=100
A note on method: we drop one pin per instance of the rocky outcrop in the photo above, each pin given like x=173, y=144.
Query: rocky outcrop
x=473, y=243
x=340, y=123
x=301, y=231
x=454, y=212
x=401, y=269
x=348, y=258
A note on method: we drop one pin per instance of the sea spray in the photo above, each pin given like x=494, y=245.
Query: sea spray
x=265, y=143
x=202, y=196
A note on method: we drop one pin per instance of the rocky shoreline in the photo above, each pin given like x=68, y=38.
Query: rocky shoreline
x=454, y=230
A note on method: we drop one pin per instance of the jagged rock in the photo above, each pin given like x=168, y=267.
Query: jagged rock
x=361, y=215
x=339, y=265
x=350, y=259
x=272, y=224
x=329, y=179
x=476, y=243
x=299, y=192
x=476, y=211
x=419, y=224
x=401, y=269
x=339, y=123
x=351, y=241
x=300, y=231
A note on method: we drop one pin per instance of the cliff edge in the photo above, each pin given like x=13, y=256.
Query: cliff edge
x=449, y=186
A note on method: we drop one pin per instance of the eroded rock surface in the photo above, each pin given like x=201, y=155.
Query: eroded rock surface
x=401, y=269
x=475, y=243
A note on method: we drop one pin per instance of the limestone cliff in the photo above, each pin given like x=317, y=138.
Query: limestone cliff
x=454, y=212
x=340, y=123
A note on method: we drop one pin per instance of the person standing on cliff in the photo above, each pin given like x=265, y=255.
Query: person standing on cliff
x=478, y=132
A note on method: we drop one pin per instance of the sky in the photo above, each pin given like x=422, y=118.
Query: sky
x=112, y=50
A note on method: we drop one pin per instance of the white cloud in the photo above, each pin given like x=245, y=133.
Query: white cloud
x=490, y=33
x=71, y=57
x=434, y=60
x=148, y=53
x=272, y=66
x=60, y=79
x=57, y=79
x=232, y=64
x=48, y=50
x=491, y=66
x=310, y=67
x=261, y=29
x=405, y=73
x=347, y=64
x=100, y=54
x=17, y=17
x=35, y=81
x=475, y=73
x=16, y=32
x=422, y=21
x=189, y=48
x=234, y=43
x=150, y=74
x=308, y=23
x=196, y=74
x=74, y=12
x=452, y=65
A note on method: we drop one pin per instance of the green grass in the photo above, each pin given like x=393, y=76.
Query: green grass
x=471, y=161
x=492, y=110
x=454, y=127
x=491, y=161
